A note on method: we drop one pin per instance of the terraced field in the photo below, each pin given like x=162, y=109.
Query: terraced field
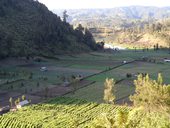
x=61, y=112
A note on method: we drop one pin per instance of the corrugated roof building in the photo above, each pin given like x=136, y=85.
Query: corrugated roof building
x=22, y=103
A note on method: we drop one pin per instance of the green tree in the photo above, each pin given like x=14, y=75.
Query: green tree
x=89, y=39
x=38, y=84
x=10, y=100
x=23, y=97
x=157, y=47
x=75, y=84
x=168, y=40
x=108, y=91
x=121, y=118
x=65, y=16
x=46, y=92
x=29, y=100
x=160, y=79
x=150, y=94
x=17, y=101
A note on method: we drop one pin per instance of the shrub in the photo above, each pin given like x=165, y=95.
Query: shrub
x=152, y=95
x=108, y=91
x=128, y=75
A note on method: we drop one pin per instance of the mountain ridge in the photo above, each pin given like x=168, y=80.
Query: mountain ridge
x=127, y=11
x=109, y=25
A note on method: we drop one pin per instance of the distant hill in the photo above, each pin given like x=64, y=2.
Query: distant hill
x=28, y=28
x=118, y=13
x=120, y=25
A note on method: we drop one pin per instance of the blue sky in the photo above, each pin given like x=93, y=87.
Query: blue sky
x=76, y=4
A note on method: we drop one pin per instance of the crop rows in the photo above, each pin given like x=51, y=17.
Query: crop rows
x=60, y=112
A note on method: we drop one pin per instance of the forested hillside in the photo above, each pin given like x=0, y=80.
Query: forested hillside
x=28, y=28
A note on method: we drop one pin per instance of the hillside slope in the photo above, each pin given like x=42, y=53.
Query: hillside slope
x=147, y=36
x=28, y=28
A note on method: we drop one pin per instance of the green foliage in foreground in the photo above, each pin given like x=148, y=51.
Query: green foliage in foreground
x=72, y=113
x=136, y=118
x=152, y=95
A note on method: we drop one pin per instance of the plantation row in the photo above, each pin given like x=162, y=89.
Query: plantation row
x=60, y=112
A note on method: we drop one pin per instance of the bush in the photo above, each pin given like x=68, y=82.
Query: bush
x=128, y=75
x=150, y=94
x=31, y=75
x=45, y=78
x=108, y=91
x=22, y=84
x=38, y=84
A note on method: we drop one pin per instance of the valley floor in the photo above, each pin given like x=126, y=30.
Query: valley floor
x=24, y=77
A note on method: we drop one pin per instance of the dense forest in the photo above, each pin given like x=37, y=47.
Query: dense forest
x=28, y=28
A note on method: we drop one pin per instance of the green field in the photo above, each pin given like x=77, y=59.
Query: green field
x=69, y=112
x=60, y=113
x=96, y=66
x=94, y=92
x=125, y=88
x=64, y=112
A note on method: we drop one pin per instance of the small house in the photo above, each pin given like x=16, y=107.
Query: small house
x=124, y=62
x=22, y=104
x=166, y=60
x=79, y=77
x=43, y=69
x=66, y=83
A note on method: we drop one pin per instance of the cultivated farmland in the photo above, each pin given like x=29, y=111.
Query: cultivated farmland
x=22, y=76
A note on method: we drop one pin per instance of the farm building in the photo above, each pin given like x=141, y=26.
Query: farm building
x=124, y=62
x=66, y=83
x=166, y=60
x=22, y=103
x=79, y=77
x=43, y=69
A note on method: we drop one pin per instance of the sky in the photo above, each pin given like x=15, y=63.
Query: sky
x=80, y=4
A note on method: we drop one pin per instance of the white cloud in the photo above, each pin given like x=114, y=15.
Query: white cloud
x=67, y=4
